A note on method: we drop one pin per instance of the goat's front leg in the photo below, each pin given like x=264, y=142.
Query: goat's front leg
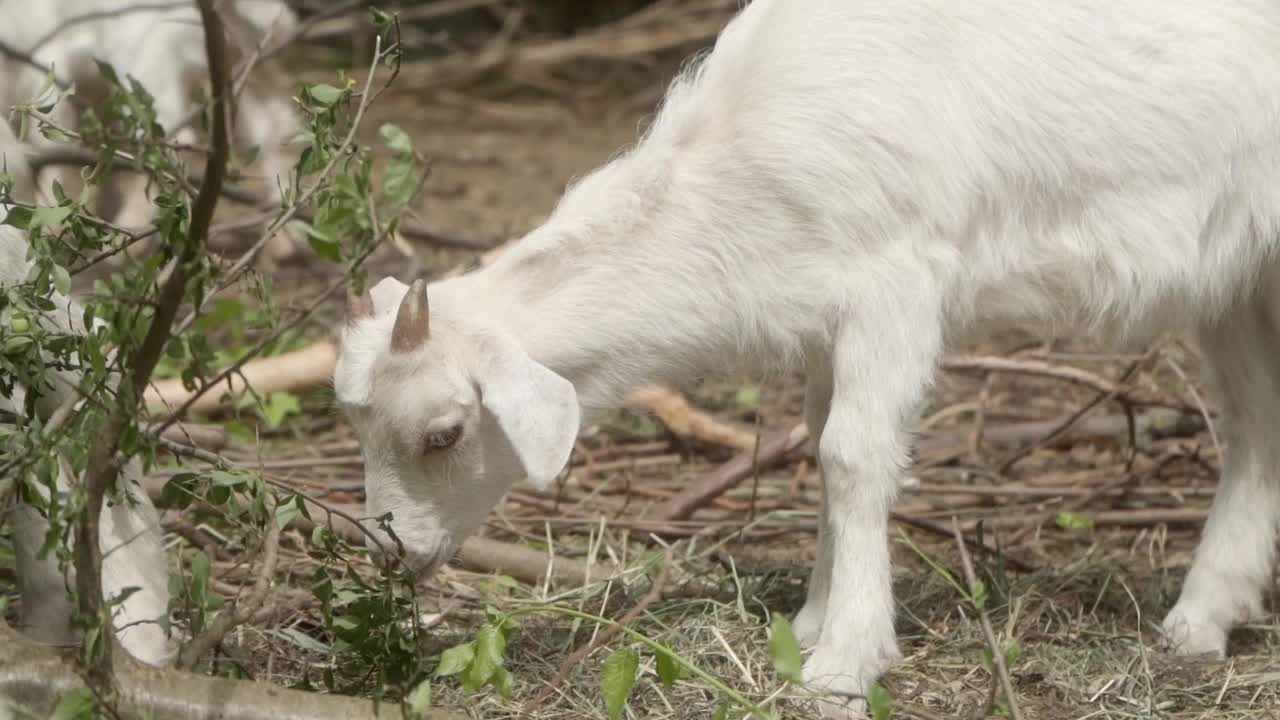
x=881, y=369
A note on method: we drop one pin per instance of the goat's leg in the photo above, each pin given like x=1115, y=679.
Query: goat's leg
x=817, y=403
x=132, y=557
x=1233, y=563
x=882, y=367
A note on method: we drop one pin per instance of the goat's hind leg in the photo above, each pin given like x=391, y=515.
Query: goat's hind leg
x=1233, y=563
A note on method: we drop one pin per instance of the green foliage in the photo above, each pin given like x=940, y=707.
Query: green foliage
x=617, y=679
x=784, y=650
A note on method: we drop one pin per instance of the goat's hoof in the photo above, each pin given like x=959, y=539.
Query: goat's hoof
x=1185, y=635
x=808, y=625
x=841, y=680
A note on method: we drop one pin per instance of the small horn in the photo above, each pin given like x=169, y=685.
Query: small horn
x=413, y=322
x=359, y=307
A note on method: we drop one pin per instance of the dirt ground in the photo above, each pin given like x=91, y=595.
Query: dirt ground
x=1093, y=535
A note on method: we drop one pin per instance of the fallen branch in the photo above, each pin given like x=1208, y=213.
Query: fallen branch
x=295, y=371
x=35, y=677
x=685, y=420
x=773, y=447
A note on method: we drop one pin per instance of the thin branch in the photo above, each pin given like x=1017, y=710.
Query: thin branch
x=243, y=611
x=102, y=465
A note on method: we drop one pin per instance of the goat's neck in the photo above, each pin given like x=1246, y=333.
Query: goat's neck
x=609, y=307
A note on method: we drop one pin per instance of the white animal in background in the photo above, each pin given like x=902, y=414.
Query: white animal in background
x=851, y=187
x=163, y=48
x=129, y=532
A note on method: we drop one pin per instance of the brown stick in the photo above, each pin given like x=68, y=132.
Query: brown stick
x=685, y=420
x=773, y=447
x=295, y=371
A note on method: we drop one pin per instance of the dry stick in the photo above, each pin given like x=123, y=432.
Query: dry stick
x=773, y=448
x=1099, y=399
x=102, y=465
x=685, y=420
x=1073, y=375
x=602, y=637
x=929, y=527
x=241, y=612
x=997, y=655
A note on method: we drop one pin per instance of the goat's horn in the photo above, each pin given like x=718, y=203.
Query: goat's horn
x=359, y=307
x=413, y=322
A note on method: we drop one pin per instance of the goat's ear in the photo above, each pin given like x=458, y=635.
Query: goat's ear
x=535, y=408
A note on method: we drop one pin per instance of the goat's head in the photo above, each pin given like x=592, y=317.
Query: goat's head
x=449, y=414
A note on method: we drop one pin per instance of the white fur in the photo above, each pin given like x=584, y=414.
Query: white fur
x=129, y=532
x=852, y=187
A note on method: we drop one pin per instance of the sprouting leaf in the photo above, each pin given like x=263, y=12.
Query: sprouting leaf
x=617, y=678
x=1073, y=521
x=456, y=659
x=1012, y=653
x=400, y=180
x=980, y=594
x=784, y=650
x=879, y=702
x=669, y=670
x=419, y=700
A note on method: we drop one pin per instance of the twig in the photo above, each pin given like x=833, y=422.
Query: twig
x=929, y=527
x=1073, y=375
x=997, y=654
x=242, y=611
x=604, y=636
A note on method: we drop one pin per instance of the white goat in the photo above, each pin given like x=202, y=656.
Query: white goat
x=129, y=533
x=163, y=48
x=850, y=187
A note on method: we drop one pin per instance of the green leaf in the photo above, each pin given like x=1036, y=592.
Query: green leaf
x=419, y=700
x=617, y=679
x=503, y=682
x=75, y=705
x=400, y=181
x=784, y=650
x=324, y=94
x=1073, y=521
x=669, y=669
x=278, y=406
x=879, y=702
x=61, y=280
x=490, y=648
x=200, y=570
x=49, y=216
x=19, y=217
x=395, y=138
x=456, y=659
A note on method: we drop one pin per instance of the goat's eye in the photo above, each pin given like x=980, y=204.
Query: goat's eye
x=443, y=438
